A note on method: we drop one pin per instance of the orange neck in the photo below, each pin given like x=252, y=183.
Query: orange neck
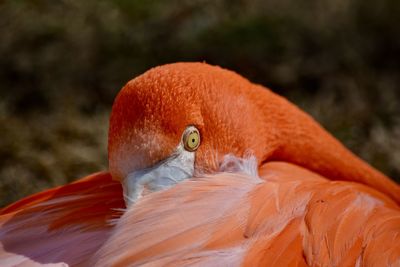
x=303, y=142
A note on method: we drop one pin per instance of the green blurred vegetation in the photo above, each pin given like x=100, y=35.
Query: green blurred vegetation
x=62, y=63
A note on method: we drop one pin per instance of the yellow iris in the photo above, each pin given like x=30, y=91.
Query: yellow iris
x=191, y=138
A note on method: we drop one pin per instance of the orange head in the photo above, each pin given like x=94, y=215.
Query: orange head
x=151, y=113
x=154, y=113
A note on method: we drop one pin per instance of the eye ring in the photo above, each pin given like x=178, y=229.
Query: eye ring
x=191, y=138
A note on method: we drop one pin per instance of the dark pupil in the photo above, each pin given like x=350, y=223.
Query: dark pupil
x=193, y=140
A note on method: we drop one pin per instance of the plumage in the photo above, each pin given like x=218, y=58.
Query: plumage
x=270, y=187
x=64, y=224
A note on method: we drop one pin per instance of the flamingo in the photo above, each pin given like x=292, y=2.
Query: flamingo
x=209, y=169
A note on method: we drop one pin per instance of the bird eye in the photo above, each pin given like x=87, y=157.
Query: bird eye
x=191, y=138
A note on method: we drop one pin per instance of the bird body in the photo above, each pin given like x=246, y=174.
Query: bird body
x=274, y=220
x=261, y=184
x=288, y=216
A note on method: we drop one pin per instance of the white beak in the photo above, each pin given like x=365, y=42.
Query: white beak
x=178, y=167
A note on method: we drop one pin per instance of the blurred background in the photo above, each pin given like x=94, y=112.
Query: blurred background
x=63, y=62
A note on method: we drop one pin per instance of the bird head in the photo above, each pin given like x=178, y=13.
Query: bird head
x=176, y=121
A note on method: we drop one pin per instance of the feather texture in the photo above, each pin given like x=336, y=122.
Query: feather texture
x=62, y=225
x=288, y=217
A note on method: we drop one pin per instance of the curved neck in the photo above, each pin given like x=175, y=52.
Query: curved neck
x=304, y=142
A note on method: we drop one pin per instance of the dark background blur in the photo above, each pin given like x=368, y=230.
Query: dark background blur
x=63, y=62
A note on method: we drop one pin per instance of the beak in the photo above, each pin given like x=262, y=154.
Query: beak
x=165, y=174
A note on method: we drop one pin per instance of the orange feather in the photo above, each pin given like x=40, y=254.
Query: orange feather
x=65, y=224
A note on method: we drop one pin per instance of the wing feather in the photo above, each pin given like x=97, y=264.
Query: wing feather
x=288, y=217
x=65, y=225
